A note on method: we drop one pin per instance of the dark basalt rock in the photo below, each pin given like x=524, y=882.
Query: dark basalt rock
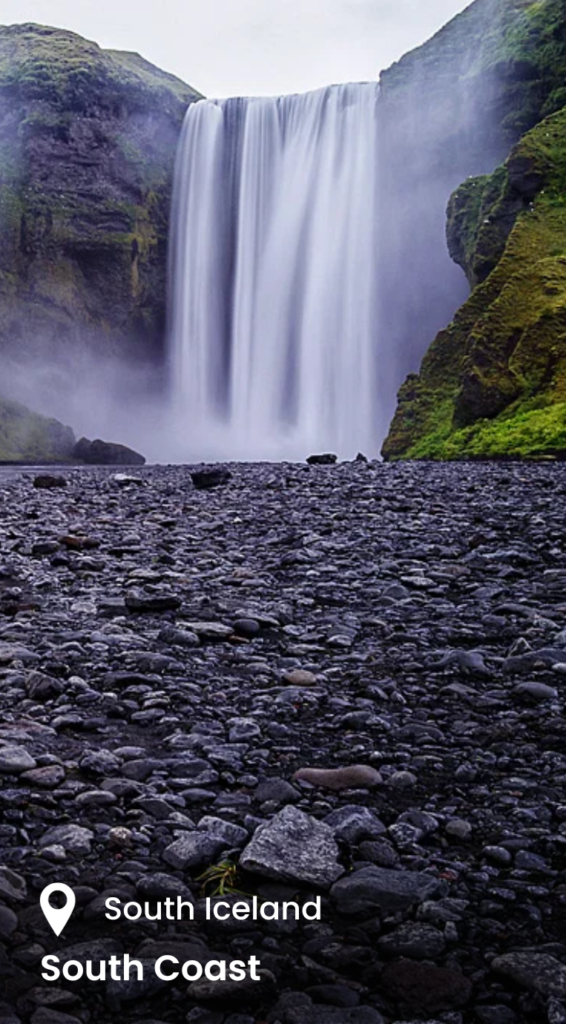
x=211, y=476
x=322, y=460
x=148, y=748
x=106, y=453
x=48, y=482
x=424, y=988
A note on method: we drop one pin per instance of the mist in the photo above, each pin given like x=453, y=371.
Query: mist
x=100, y=396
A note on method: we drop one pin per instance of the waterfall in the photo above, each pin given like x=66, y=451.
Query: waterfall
x=274, y=276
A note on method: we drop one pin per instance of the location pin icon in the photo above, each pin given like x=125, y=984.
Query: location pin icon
x=57, y=917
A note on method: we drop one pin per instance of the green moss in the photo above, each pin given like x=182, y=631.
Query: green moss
x=39, y=62
x=494, y=382
x=480, y=216
x=520, y=433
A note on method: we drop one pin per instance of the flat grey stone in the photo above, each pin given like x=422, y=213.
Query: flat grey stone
x=417, y=941
x=294, y=847
x=539, y=972
x=72, y=838
x=384, y=889
x=15, y=760
x=210, y=630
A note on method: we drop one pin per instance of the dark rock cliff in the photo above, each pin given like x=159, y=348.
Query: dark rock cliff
x=87, y=148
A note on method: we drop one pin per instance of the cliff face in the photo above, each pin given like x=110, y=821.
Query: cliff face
x=492, y=383
x=87, y=149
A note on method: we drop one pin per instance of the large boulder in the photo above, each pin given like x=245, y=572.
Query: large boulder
x=106, y=453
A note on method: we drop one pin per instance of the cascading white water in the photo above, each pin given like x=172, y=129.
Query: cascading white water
x=275, y=257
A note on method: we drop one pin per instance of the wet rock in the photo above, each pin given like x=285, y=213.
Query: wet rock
x=536, y=692
x=160, y=885
x=42, y=687
x=248, y=628
x=45, y=1015
x=233, y=835
x=458, y=828
x=46, y=778
x=211, y=631
x=498, y=855
x=277, y=790
x=334, y=1015
x=146, y=734
x=300, y=677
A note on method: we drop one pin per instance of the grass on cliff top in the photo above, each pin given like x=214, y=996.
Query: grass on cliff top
x=47, y=63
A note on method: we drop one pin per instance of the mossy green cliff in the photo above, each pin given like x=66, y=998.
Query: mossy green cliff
x=493, y=383
x=87, y=148
x=27, y=437
x=451, y=109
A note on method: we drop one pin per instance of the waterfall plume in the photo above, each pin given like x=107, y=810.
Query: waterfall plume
x=275, y=276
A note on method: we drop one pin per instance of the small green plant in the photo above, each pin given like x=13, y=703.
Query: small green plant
x=222, y=878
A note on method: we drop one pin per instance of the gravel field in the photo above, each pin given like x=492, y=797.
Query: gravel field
x=343, y=685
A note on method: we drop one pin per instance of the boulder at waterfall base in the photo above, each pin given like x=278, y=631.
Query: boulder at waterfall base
x=106, y=453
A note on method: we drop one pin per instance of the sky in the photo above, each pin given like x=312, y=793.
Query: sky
x=250, y=47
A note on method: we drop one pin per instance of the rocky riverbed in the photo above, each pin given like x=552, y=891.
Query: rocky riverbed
x=337, y=682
